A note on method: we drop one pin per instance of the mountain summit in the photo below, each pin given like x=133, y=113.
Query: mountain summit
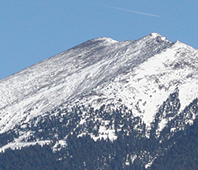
x=101, y=98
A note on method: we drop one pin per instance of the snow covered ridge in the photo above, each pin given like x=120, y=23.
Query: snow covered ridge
x=140, y=74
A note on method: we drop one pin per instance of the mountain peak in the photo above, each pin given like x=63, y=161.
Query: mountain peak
x=106, y=39
x=154, y=34
x=74, y=73
x=103, y=89
x=157, y=35
x=96, y=42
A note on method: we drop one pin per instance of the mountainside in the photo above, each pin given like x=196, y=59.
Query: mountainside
x=103, y=104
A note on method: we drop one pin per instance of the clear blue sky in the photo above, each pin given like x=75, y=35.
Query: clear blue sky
x=33, y=30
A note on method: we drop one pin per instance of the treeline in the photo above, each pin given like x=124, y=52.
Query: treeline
x=131, y=150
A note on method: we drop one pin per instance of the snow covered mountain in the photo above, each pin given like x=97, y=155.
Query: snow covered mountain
x=105, y=90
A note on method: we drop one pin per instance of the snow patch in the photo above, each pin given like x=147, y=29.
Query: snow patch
x=18, y=145
x=155, y=35
x=59, y=145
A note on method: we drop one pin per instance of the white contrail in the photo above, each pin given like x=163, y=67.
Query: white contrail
x=132, y=11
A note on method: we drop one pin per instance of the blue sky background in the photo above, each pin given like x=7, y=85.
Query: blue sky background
x=33, y=30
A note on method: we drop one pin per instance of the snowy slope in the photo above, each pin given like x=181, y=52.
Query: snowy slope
x=139, y=74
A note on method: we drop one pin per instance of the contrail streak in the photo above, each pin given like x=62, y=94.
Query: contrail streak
x=132, y=11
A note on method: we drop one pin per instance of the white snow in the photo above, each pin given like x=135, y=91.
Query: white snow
x=59, y=145
x=154, y=34
x=103, y=132
x=103, y=71
x=18, y=145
